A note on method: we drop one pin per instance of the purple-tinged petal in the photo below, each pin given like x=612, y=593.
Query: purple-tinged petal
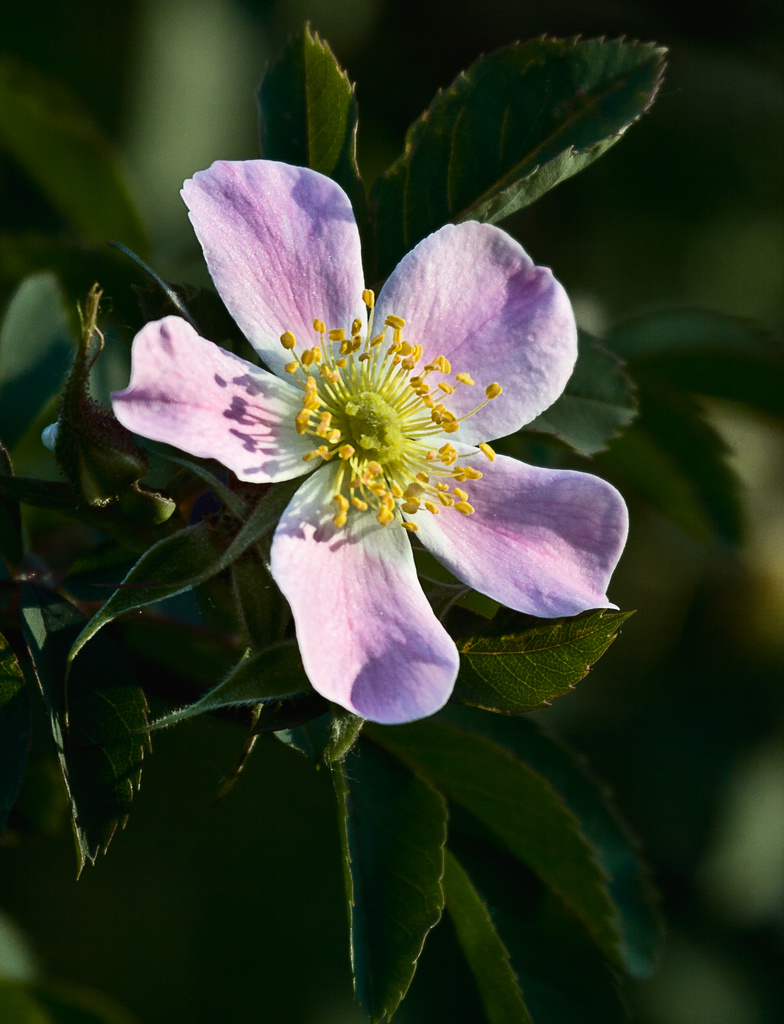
x=282, y=247
x=471, y=293
x=541, y=541
x=191, y=394
x=368, y=637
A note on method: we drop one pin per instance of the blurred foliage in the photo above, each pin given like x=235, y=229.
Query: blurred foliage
x=683, y=718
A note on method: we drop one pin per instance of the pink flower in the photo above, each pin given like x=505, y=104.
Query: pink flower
x=384, y=408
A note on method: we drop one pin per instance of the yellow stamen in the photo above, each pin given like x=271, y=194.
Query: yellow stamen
x=288, y=340
x=486, y=450
x=493, y=390
x=465, y=508
x=464, y=378
x=395, y=322
x=346, y=451
x=319, y=326
x=411, y=527
x=369, y=298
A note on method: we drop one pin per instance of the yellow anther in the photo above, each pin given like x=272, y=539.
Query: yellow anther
x=464, y=378
x=302, y=421
x=319, y=326
x=441, y=486
x=310, y=401
x=333, y=436
x=465, y=508
x=377, y=340
x=397, y=491
x=409, y=363
x=458, y=493
x=358, y=503
x=288, y=340
x=411, y=527
x=417, y=353
x=356, y=326
x=423, y=477
x=395, y=322
x=341, y=501
x=493, y=390
x=485, y=449
x=406, y=348
x=428, y=402
x=451, y=427
x=432, y=456
x=385, y=517
x=374, y=469
x=324, y=452
x=364, y=356
x=309, y=456
x=345, y=347
x=291, y=367
x=446, y=499
x=434, y=509
x=356, y=342
x=340, y=519
x=324, y=422
x=346, y=451
x=356, y=482
x=310, y=384
x=411, y=506
x=307, y=357
x=369, y=298
x=415, y=381
x=446, y=388
x=470, y=473
x=342, y=363
x=337, y=334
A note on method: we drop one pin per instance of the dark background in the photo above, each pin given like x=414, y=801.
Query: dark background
x=236, y=912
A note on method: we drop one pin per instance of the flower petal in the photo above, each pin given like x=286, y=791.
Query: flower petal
x=282, y=247
x=470, y=292
x=189, y=393
x=368, y=637
x=541, y=541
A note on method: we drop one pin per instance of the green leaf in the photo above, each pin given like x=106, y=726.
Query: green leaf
x=65, y=154
x=309, y=116
x=99, y=726
x=185, y=559
x=678, y=462
x=393, y=830
x=36, y=350
x=512, y=126
x=173, y=565
x=14, y=730
x=519, y=671
x=639, y=924
x=11, y=545
x=706, y=353
x=485, y=952
x=598, y=402
x=519, y=807
x=269, y=675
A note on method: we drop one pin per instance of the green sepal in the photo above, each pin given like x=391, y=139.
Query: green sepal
x=344, y=730
x=511, y=666
x=483, y=948
x=99, y=724
x=393, y=831
x=512, y=126
x=95, y=452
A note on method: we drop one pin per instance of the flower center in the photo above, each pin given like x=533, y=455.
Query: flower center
x=375, y=427
x=385, y=424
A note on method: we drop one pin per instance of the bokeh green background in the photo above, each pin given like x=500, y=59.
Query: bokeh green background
x=200, y=914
